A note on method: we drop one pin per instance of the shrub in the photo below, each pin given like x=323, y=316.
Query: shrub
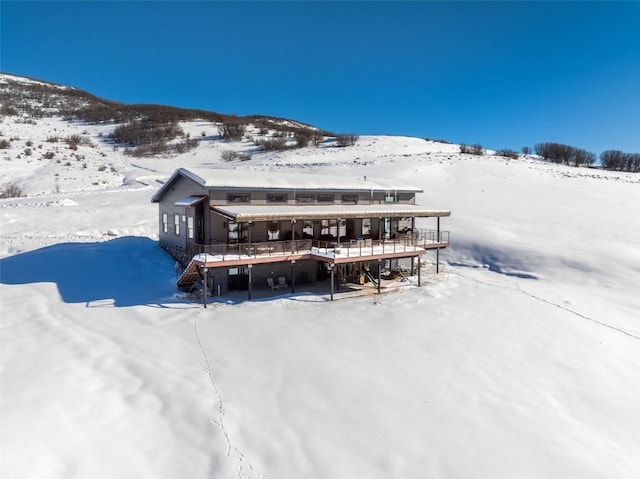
x=4, y=144
x=317, y=137
x=526, y=150
x=28, y=151
x=303, y=137
x=185, y=146
x=346, y=139
x=507, y=153
x=271, y=144
x=11, y=190
x=228, y=155
x=232, y=130
x=52, y=139
x=145, y=132
x=475, y=149
x=48, y=155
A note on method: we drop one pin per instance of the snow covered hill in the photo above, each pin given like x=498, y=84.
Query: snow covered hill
x=521, y=359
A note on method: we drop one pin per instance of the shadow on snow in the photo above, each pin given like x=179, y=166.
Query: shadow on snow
x=126, y=271
x=508, y=263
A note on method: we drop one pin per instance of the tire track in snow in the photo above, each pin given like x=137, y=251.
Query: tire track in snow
x=219, y=420
x=551, y=303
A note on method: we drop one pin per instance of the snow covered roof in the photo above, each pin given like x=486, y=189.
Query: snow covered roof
x=242, y=213
x=213, y=179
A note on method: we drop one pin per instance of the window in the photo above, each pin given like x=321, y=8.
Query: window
x=273, y=233
x=165, y=222
x=324, y=227
x=366, y=226
x=190, y=227
x=277, y=198
x=342, y=228
x=237, y=232
x=176, y=224
x=325, y=198
x=238, y=198
x=307, y=229
x=335, y=228
x=305, y=198
x=233, y=232
x=351, y=199
x=390, y=197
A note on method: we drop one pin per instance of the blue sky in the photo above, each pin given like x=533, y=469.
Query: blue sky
x=503, y=74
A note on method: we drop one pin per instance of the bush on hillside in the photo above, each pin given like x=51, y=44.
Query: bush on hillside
x=271, y=144
x=346, y=139
x=303, y=137
x=565, y=154
x=228, y=155
x=11, y=190
x=145, y=132
x=507, y=153
x=232, y=130
x=475, y=149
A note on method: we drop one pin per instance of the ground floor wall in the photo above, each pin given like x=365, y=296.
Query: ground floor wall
x=302, y=272
x=223, y=280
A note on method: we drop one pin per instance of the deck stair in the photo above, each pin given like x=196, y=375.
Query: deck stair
x=190, y=275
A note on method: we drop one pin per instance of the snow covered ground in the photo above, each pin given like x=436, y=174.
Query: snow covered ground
x=521, y=359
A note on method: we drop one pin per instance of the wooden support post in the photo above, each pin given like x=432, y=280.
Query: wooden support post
x=293, y=243
x=204, y=282
x=419, y=270
x=332, y=280
x=250, y=267
x=293, y=276
x=438, y=250
x=379, y=274
x=412, y=266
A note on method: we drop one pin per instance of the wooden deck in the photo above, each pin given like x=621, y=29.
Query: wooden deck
x=224, y=256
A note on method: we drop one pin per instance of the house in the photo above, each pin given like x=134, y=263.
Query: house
x=248, y=230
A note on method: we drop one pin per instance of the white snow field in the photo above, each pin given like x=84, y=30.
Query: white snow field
x=520, y=360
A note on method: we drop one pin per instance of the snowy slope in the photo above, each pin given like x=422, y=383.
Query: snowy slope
x=522, y=359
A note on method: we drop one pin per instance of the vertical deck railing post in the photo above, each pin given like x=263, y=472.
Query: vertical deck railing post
x=250, y=267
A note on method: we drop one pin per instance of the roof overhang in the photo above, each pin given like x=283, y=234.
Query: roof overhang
x=246, y=213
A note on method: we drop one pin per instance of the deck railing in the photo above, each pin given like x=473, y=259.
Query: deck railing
x=423, y=239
